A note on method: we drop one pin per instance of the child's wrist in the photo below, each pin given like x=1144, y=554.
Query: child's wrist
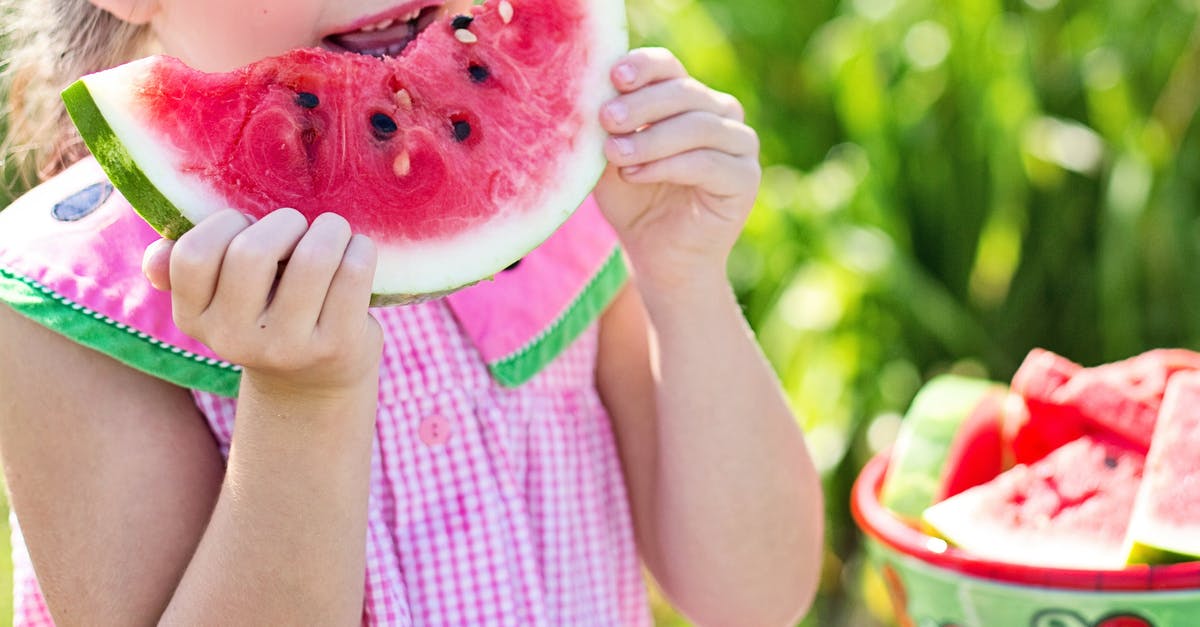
x=684, y=292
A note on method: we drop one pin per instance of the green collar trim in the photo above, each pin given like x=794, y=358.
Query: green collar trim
x=117, y=340
x=523, y=365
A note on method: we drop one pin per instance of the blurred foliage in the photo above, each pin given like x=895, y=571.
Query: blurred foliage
x=947, y=185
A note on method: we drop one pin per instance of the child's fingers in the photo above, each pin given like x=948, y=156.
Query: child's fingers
x=350, y=290
x=251, y=264
x=682, y=133
x=716, y=172
x=660, y=101
x=195, y=263
x=302, y=288
x=156, y=264
x=645, y=66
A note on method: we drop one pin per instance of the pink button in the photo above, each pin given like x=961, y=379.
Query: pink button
x=435, y=430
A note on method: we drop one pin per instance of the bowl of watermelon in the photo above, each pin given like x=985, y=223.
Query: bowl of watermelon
x=1069, y=498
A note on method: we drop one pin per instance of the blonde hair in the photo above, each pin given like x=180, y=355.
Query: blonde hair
x=49, y=44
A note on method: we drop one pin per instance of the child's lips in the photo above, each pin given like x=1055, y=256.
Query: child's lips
x=385, y=34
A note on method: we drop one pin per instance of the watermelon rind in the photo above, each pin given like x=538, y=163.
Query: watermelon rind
x=1068, y=510
x=140, y=166
x=914, y=473
x=1163, y=527
x=122, y=169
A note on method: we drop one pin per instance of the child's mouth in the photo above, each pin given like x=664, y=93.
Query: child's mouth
x=385, y=36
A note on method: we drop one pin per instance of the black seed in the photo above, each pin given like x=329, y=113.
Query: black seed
x=307, y=100
x=1110, y=462
x=516, y=264
x=384, y=125
x=462, y=130
x=462, y=21
x=478, y=73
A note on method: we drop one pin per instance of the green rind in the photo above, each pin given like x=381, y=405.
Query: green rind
x=926, y=434
x=119, y=341
x=1141, y=553
x=120, y=167
x=523, y=365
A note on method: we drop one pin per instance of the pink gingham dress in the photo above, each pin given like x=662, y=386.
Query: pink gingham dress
x=490, y=503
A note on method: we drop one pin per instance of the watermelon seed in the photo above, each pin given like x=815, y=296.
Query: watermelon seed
x=462, y=21
x=478, y=73
x=465, y=36
x=1110, y=462
x=384, y=125
x=402, y=165
x=404, y=99
x=462, y=130
x=506, y=11
x=307, y=100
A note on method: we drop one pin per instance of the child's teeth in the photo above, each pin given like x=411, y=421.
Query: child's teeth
x=411, y=16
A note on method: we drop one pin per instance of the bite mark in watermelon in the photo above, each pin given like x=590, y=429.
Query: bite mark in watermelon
x=456, y=157
x=1069, y=510
x=1166, y=516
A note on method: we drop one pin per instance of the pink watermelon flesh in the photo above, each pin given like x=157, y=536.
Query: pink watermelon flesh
x=1069, y=510
x=456, y=157
x=1166, y=519
x=1044, y=426
x=1065, y=401
x=976, y=454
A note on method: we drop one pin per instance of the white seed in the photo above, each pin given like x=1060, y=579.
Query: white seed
x=402, y=165
x=506, y=11
x=404, y=99
x=465, y=36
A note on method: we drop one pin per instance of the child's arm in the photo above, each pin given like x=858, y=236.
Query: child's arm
x=726, y=500
x=118, y=483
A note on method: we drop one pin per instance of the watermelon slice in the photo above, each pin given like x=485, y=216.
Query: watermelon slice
x=456, y=157
x=1046, y=424
x=915, y=473
x=1069, y=510
x=1166, y=516
x=977, y=453
x=1066, y=401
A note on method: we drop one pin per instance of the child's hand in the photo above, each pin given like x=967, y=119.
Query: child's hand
x=683, y=170
x=302, y=326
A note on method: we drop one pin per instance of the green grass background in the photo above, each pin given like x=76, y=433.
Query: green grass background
x=947, y=185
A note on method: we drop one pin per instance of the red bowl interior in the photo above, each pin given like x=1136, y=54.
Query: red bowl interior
x=886, y=528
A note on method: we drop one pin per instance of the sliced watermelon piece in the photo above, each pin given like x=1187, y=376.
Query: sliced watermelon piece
x=914, y=475
x=1066, y=401
x=1124, y=397
x=1045, y=425
x=1069, y=510
x=977, y=454
x=456, y=157
x=1166, y=516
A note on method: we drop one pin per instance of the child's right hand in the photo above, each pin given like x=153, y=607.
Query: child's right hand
x=302, y=327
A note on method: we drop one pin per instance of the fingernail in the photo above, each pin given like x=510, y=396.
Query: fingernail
x=626, y=73
x=631, y=170
x=617, y=112
x=624, y=146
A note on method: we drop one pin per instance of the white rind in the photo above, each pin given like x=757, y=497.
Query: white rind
x=428, y=266
x=983, y=540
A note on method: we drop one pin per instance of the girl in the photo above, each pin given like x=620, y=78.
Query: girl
x=380, y=442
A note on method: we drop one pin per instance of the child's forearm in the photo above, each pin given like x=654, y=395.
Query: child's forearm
x=286, y=541
x=738, y=502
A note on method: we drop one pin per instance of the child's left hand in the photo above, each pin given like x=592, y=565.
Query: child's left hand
x=683, y=170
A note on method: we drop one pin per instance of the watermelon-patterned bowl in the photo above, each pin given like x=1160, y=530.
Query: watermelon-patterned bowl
x=935, y=585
